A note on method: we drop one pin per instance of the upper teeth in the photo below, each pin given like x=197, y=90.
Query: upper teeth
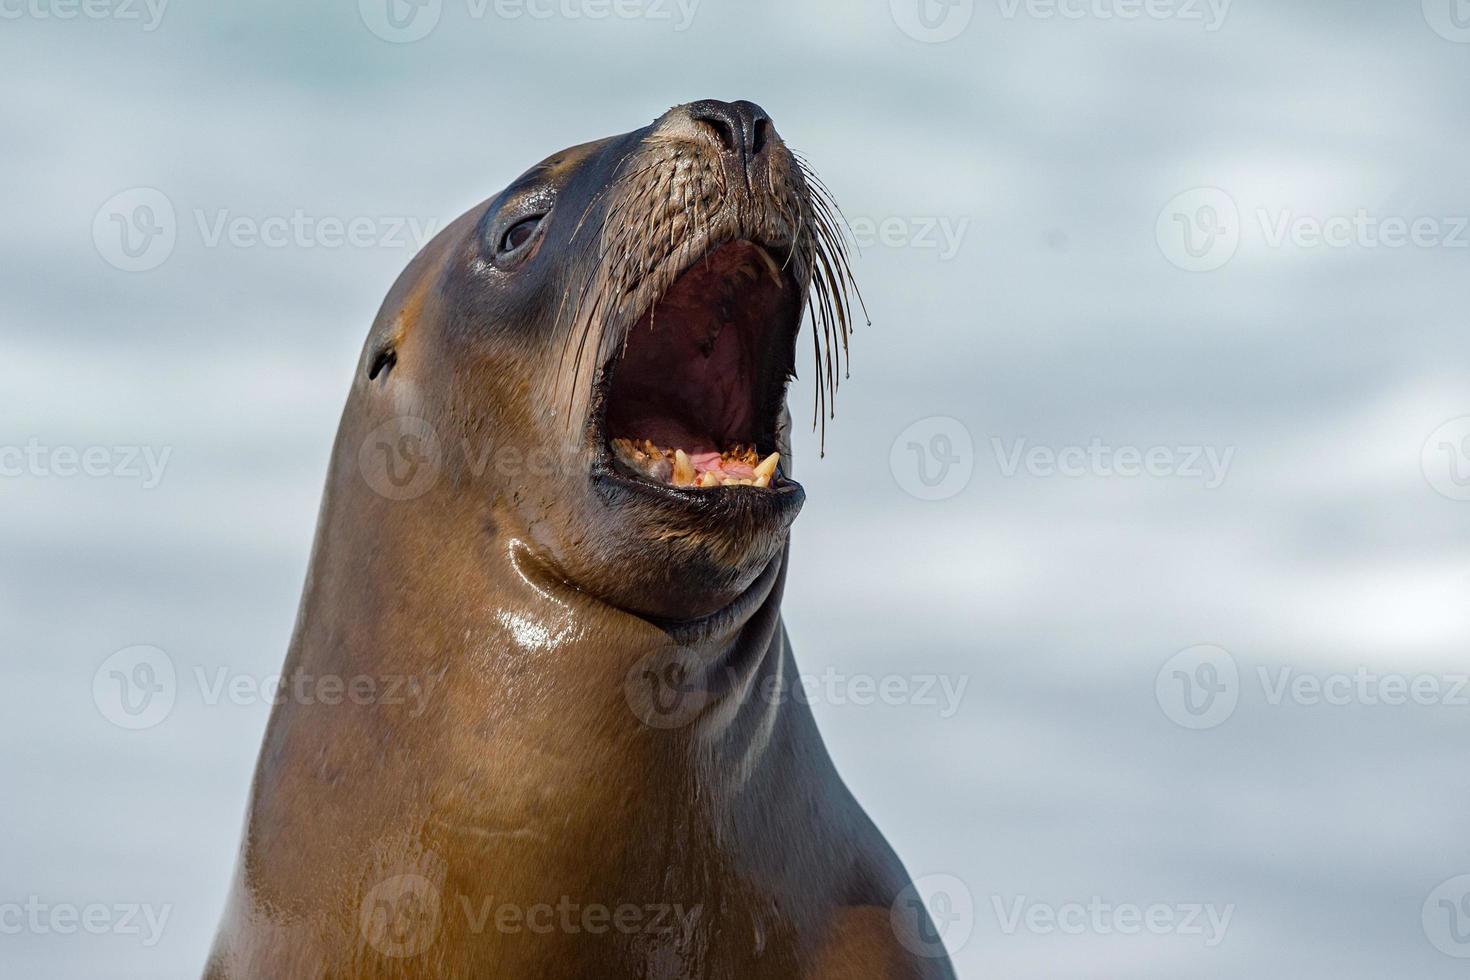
x=737, y=466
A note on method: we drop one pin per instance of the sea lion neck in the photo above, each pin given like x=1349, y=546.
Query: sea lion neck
x=704, y=701
x=712, y=675
x=480, y=615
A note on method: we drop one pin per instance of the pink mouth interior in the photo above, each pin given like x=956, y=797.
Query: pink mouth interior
x=696, y=374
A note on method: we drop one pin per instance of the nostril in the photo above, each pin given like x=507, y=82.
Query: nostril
x=724, y=129
x=762, y=133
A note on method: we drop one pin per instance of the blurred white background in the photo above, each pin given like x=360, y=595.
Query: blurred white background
x=1226, y=238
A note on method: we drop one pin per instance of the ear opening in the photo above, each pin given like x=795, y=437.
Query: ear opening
x=382, y=362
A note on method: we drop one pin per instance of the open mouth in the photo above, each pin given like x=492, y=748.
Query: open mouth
x=694, y=399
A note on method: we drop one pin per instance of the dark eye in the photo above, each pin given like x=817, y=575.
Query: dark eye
x=520, y=233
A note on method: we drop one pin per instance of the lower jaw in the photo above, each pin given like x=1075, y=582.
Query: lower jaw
x=682, y=554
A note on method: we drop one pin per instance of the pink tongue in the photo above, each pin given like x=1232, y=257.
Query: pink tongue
x=708, y=463
x=719, y=466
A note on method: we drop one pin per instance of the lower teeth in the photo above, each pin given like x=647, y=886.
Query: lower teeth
x=738, y=466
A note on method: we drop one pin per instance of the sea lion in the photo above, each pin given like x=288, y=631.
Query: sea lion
x=538, y=715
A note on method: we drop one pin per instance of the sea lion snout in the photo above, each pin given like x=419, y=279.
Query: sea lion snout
x=742, y=126
x=742, y=129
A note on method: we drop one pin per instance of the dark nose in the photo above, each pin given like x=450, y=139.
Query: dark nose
x=743, y=127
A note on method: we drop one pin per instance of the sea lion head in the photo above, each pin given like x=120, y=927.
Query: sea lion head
x=602, y=352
